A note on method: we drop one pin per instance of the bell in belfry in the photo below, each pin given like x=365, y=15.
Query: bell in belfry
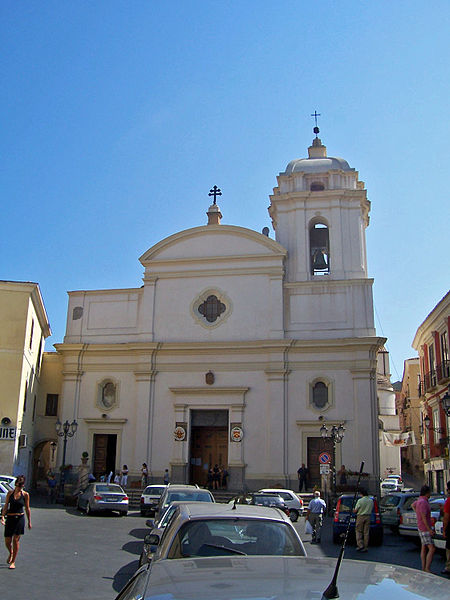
x=319, y=261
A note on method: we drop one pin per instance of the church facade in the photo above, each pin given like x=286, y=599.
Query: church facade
x=238, y=347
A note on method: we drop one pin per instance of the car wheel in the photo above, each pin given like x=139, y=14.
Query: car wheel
x=142, y=513
x=293, y=515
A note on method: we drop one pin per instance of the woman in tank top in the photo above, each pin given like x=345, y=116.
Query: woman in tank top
x=17, y=504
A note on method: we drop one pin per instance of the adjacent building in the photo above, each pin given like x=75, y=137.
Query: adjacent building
x=431, y=343
x=24, y=327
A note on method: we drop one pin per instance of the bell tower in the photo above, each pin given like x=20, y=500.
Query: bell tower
x=319, y=212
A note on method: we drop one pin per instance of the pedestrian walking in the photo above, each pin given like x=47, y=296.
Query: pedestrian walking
x=314, y=515
x=423, y=512
x=302, y=475
x=51, y=489
x=166, y=477
x=124, y=476
x=17, y=504
x=363, y=510
x=446, y=530
x=144, y=476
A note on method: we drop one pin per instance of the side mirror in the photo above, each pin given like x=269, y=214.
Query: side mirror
x=151, y=539
x=150, y=523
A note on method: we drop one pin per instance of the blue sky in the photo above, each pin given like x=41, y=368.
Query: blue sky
x=118, y=117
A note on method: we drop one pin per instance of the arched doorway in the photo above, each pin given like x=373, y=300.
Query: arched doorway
x=44, y=460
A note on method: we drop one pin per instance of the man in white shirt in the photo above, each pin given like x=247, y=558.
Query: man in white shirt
x=314, y=515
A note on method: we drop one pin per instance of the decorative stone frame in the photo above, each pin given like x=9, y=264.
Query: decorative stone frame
x=220, y=295
x=330, y=390
x=100, y=385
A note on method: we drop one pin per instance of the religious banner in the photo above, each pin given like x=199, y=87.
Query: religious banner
x=399, y=439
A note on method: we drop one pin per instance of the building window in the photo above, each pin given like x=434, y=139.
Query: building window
x=51, y=405
x=317, y=186
x=211, y=308
x=25, y=398
x=436, y=426
x=31, y=333
x=107, y=395
x=319, y=247
x=445, y=367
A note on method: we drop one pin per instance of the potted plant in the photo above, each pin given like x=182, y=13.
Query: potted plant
x=84, y=457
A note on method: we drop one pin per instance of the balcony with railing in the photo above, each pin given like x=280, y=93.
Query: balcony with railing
x=443, y=371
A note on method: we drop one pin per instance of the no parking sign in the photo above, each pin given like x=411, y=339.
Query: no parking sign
x=324, y=458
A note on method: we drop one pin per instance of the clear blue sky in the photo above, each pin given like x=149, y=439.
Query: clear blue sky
x=118, y=117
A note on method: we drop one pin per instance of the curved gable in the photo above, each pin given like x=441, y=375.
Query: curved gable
x=213, y=241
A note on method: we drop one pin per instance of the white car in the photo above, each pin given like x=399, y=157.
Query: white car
x=388, y=486
x=292, y=501
x=150, y=498
x=408, y=525
x=398, y=479
x=4, y=489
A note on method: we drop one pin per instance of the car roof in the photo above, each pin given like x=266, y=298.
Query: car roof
x=267, y=577
x=275, y=490
x=214, y=509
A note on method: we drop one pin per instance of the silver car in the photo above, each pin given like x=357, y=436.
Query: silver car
x=4, y=489
x=182, y=493
x=292, y=501
x=227, y=530
x=279, y=578
x=408, y=525
x=392, y=507
x=103, y=496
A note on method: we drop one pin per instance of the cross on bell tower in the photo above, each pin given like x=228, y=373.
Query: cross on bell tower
x=214, y=214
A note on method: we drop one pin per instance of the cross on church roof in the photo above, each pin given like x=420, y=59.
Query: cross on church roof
x=215, y=191
x=315, y=114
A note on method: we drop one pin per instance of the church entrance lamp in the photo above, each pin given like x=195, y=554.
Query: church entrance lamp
x=65, y=430
x=336, y=435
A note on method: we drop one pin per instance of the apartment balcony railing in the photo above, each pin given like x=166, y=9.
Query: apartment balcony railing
x=443, y=371
x=430, y=380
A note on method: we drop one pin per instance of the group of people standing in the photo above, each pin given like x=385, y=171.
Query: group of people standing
x=217, y=478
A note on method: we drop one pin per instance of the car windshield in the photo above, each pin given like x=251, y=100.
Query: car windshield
x=186, y=495
x=109, y=488
x=390, y=501
x=153, y=491
x=225, y=537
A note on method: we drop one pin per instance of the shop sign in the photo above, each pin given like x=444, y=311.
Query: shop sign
x=7, y=433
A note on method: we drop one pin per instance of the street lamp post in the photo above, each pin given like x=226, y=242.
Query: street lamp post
x=65, y=430
x=336, y=435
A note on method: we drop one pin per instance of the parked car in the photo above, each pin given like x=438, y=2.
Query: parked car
x=398, y=479
x=150, y=498
x=231, y=530
x=179, y=493
x=439, y=539
x=280, y=578
x=408, y=525
x=342, y=516
x=292, y=501
x=8, y=479
x=157, y=527
x=392, y=506
x=4, y=489
x=262, y=499
x=101, y=497
x=388, y=486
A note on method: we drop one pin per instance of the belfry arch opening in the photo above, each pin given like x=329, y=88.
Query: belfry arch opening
x=319, y=245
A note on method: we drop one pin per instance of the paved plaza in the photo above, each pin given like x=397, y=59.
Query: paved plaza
x=70, y=555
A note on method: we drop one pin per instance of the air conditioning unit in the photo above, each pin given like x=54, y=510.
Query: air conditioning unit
x=23, y=440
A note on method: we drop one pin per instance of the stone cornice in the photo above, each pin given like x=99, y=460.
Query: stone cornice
x=215, y=391
x=108, y=420
x=183, y=273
